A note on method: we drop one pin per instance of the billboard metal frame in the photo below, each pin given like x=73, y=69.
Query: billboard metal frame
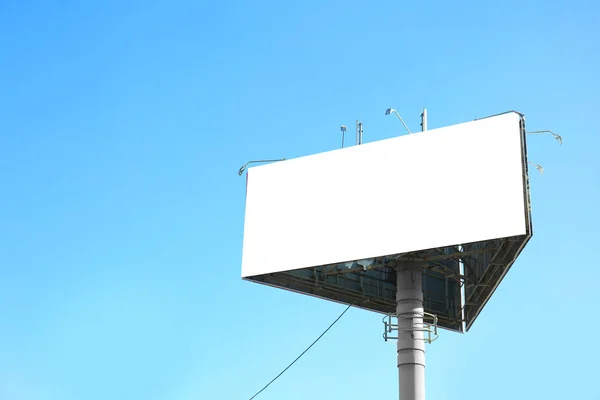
x=457, y=280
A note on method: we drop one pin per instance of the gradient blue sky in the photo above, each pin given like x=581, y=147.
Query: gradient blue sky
x=123, y=125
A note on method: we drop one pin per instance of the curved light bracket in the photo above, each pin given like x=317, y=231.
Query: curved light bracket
x=243, y=167
x=538, y=167
x=556, y=136
x=390, y=111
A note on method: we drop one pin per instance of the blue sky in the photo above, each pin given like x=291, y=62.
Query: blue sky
x=123, y=125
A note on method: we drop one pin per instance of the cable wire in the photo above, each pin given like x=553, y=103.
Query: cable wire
x=301, y=354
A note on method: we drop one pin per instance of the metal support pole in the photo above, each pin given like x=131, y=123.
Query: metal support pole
x=424, y=120
x=411, y=346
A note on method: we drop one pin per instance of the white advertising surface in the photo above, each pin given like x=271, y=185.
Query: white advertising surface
x=458, y=184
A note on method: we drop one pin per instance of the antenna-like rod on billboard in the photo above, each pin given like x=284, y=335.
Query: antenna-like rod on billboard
x=360, y=132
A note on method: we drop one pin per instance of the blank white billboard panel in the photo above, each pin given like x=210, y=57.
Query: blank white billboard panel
x=447, y=186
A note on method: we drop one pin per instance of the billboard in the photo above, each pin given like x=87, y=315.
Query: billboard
x=421, y=195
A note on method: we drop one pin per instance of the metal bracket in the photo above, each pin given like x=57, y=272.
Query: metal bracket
x=429, y=328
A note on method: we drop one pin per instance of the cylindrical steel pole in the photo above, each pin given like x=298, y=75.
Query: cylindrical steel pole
x=411, y=346
x=424, y=120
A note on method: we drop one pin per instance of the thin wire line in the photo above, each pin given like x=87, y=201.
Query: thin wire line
x=301, y=354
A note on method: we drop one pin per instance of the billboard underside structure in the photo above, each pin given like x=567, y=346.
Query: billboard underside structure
x=336, y=225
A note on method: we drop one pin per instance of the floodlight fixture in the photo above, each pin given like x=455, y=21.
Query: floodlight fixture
x=556, y=136
x=391, y=110
x=538, y=167
x=243, y=167
x=343, y=128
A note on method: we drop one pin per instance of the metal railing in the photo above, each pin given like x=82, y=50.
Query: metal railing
x=429, y=328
